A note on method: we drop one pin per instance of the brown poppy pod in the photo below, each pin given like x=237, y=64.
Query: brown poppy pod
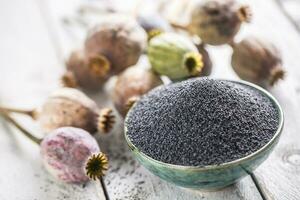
x=257, y=61
x=70, y=107
x=131, y=84
x=216, y=22
x=120, y=39
x=87, y=72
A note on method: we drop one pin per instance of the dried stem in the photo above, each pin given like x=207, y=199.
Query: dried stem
x=21, y=128
x=178, y=26
x=30, y=113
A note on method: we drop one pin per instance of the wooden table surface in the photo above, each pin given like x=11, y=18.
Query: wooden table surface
x=33, y=45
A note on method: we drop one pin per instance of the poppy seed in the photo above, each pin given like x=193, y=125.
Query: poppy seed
x=202, y=122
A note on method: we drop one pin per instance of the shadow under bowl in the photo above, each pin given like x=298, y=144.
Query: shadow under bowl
x=211, y=177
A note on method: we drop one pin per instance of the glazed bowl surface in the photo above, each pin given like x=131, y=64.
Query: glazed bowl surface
x=211, y=177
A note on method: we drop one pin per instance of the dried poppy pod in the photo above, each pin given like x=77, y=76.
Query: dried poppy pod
x=88, y=72
x=72, y=155
x=131, y=84
x=216, y=22
x=69, y=154
x=71, y=107
x=257, y=61
x=119, y=38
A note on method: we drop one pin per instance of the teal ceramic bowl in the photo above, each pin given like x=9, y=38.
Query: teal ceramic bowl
x=211, y=177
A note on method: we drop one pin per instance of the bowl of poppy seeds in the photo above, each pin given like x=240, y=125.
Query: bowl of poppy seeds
x=204, y=133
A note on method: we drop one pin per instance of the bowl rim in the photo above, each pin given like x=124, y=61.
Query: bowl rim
x=225, y=164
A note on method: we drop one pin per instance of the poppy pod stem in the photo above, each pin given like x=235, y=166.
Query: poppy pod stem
x=69, y=80
x=193, y=63
x=178, y=26
x=154, y=32
x=31, y=113
x=245, y=14
x=21, y=128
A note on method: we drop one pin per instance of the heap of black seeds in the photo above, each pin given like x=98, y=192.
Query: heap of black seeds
x=201, y=122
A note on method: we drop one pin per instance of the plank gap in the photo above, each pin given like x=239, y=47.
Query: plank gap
x=258, y=186
x=282, y=8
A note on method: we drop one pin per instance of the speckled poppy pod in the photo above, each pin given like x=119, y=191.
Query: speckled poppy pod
x=257, y=61
x=175, y=56
x=119, y=38
x=131, y=84
x=69, y=154
x=216, y=22
x=87, y=72
x=72, y=155
x=71, y=107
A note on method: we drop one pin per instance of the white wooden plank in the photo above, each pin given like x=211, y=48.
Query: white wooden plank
x=291, y=10
x=29, y=70
x=126, y=179
x=279, y=176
